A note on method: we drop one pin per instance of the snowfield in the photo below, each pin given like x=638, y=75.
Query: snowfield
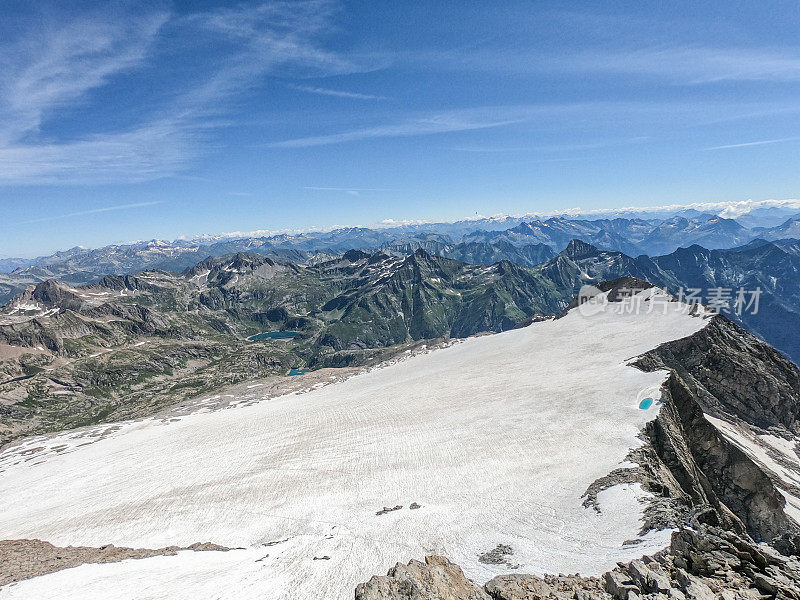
x=496, y=437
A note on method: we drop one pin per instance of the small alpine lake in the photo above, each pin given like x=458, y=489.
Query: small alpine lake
x=273, y=335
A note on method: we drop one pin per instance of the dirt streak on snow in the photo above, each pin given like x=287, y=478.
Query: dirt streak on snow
x=496, y=437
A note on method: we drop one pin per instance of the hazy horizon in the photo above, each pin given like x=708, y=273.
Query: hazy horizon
x=731, y=209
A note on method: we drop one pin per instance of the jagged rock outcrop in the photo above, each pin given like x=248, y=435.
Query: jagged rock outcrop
x=725, y=371
x=435, y=579
x=50, y=293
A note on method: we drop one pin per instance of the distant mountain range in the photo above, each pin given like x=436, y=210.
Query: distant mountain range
x=486, y=241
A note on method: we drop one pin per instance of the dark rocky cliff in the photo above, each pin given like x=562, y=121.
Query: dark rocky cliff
x=733, y=372
x=714, y=473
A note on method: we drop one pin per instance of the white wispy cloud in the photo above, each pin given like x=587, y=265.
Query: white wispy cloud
x=58, y=63
x=347, y=189
x=442, y=122
x=336, y=93
x=93, y=211
x=696, y=65
x=351, y=191
x=149, y=152
x=633, y=116
x=688, y=64
x=566, y=147
x=492, y=149
x=270, y=38
x=757, y=143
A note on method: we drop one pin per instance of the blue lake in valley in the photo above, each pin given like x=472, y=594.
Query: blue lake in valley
x=646, y=403
x=298, y=371
x=274, y=335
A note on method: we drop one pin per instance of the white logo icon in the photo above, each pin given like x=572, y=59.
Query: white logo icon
x=591, y=300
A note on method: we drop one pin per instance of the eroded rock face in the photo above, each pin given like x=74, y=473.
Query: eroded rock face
x=713, y=471
x=724, y=371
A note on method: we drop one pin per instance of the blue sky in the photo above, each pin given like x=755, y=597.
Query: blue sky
x=136, y=120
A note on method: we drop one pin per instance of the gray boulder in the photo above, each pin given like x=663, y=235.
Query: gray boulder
x=435, y=579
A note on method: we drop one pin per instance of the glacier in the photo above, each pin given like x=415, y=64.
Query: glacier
x=496, y=437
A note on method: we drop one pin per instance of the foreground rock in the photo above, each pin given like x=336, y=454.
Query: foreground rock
x=705, y=563
x=435, y=579
x=23, y=559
